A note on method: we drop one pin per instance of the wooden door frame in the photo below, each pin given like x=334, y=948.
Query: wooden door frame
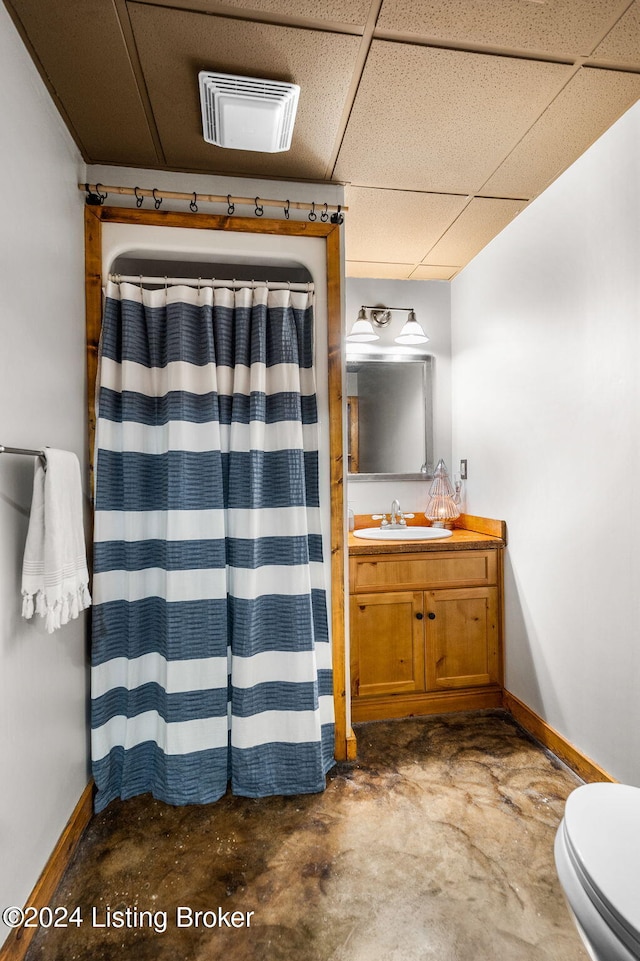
x=94, y=218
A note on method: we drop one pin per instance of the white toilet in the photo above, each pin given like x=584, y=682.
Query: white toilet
x=597, y=854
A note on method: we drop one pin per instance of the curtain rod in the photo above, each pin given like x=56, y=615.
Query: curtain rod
x=98, y=193
x=203, y=282
x=21, y=450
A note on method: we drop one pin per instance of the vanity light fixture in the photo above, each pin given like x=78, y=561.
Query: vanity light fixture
x=443, y=500
x=412, y=332
x=363, y=329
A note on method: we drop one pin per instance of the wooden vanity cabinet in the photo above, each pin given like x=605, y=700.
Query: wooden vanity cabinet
x=377, y=666
x=425, y=632
x=462, y=638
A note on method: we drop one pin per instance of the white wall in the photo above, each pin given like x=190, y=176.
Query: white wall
x=546, y=331
x=43, y=735
x=431, y=301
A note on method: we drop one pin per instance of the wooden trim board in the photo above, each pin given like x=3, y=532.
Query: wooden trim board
x=419, y=705
x=17, y=944
x=343, y=732
x=482, y=525
x=583, y=766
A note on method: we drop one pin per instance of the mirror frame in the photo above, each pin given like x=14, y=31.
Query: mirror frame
x=426, y=360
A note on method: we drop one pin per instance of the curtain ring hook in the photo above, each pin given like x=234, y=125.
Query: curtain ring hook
x=102, y=196
x=313, y=215
x=156, y=200
x=139, y=197
x=286, y=209
x=324, y=216
x=337, y=217
x=199, y=282
x=166, y=284
x=193, y=206
x=230, y=206
x=259, y=209
x=93, y=199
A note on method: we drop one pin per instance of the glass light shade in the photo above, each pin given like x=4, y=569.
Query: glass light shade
x=362, y=331
x=412, y=332
x=441, y=505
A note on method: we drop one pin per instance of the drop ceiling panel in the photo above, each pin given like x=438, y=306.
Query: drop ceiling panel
x=86, y=64
x=587, y=106
x=357, y=268
x=622, y=43
x=569, y=27
x=396, y=225
x=426, y=272
x=174, y=45
x=440, y=120
x=475, y=227
x=441, y=146
x=337, y=11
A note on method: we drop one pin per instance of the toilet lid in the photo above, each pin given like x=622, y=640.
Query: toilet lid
x=602, y=829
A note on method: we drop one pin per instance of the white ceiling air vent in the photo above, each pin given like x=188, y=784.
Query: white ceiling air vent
x=247, y=114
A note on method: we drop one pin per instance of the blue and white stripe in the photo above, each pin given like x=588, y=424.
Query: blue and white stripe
x=211, y=656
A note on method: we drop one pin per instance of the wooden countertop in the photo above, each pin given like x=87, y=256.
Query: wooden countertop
x=463, y=539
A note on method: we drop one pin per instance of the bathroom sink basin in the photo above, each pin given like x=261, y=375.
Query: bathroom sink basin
x=402, y=533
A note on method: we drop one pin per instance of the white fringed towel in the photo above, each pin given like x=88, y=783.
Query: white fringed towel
x=55, y=578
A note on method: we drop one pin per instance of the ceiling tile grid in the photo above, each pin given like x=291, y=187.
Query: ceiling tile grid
x=622, y=43
x=588, y=105
x=440, y=120
x=560, y=27
x=402, y=223
x=93, y=81
x=444, y=117
x=478, y=223
x=174, y=45
x=434, y=272
x=337, y=11
x=385, y=271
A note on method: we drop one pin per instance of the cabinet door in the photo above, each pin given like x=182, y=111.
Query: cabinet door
x=387, y=643
x=461, y=638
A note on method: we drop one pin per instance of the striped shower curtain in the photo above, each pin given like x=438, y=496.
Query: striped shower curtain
x=211, y=659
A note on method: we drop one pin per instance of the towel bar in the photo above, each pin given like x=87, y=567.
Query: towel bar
x=21, y=450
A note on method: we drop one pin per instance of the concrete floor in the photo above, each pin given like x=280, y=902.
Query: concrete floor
x=437, y=844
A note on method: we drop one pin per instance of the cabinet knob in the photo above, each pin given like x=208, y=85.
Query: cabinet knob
x=419, y=616
x=431, y=616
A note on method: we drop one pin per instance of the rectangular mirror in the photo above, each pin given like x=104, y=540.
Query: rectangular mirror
x=389, y=416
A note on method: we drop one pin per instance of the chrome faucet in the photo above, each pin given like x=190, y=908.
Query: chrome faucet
x=396, y=518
